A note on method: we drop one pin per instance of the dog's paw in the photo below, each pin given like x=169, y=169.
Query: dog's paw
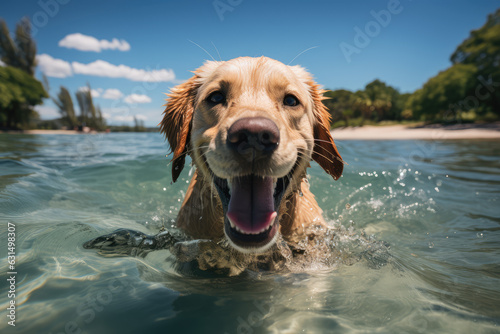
x=129, y=242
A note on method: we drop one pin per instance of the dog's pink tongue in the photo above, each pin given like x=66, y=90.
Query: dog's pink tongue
x=251, y=207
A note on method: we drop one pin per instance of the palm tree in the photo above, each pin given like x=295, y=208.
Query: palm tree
x=65, y=104
x=20, y=53
x=89, y=113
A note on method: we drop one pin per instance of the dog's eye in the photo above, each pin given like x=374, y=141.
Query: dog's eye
x=216, y=97
x=290, y=101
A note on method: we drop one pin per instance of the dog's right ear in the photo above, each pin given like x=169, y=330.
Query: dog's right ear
x=177, y=121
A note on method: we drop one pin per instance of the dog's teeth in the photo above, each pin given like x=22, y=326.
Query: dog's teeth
x=236, y=228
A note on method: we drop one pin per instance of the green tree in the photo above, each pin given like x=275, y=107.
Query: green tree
x=86, y=105
x=470, y=86
x=482, y=50
x=340, y=103
x=383, y=99
x=19, y=92
x=377, y=102
x=20, y=53
x=89, y=113
x=66, y=108
x=100, y=121
x=441, y=96
x=363, y=106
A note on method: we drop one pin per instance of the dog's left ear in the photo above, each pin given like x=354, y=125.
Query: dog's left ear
x=177, y=121
x=325, y=152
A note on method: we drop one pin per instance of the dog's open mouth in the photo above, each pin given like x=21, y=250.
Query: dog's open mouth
x=251, y=205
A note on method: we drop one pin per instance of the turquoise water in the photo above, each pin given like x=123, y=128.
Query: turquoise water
x=437, y=204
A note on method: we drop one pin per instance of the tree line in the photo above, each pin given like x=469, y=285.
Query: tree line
x=90, y=114
x=468, y=91
x=20, y=91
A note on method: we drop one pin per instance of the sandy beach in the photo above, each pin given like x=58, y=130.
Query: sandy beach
x=50, y=132
x=435, y=132
x=391, y=132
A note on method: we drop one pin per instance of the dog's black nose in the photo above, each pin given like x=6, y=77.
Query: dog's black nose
x=253, y=133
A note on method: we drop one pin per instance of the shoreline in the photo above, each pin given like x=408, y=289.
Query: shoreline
x=403, y=132
x=371, y=132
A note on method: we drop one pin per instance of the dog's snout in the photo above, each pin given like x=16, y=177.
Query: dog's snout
x=258, y=133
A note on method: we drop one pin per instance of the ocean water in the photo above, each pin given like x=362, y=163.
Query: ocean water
x=434, y=205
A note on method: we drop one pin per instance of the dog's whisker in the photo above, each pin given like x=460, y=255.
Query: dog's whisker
x=329, y=159
x=202, y=49
x=316, y=140
x=312, y=47
x=220, y=58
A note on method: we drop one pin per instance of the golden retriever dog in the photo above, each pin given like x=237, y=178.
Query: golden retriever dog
x=251, y=127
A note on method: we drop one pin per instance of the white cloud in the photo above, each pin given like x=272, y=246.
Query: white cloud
x=94, y=92
x=137, y=98
x=112, y=94
x=59, y=68
x=127, y=118
x=102, y=68
x=52, y=67
x=150, y=116
x=88, y=43
x=124, y=118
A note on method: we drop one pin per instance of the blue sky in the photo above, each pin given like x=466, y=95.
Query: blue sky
x=153, y=43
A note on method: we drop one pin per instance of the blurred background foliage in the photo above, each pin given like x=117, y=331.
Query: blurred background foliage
x=20, y=91
x=468, y=91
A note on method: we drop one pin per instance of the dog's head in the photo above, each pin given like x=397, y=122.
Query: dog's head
x=251, y=126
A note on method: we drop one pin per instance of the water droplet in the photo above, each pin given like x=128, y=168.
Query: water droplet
x=431, y=244
x=479, y=235
x=348, y=206
x=164, y=189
